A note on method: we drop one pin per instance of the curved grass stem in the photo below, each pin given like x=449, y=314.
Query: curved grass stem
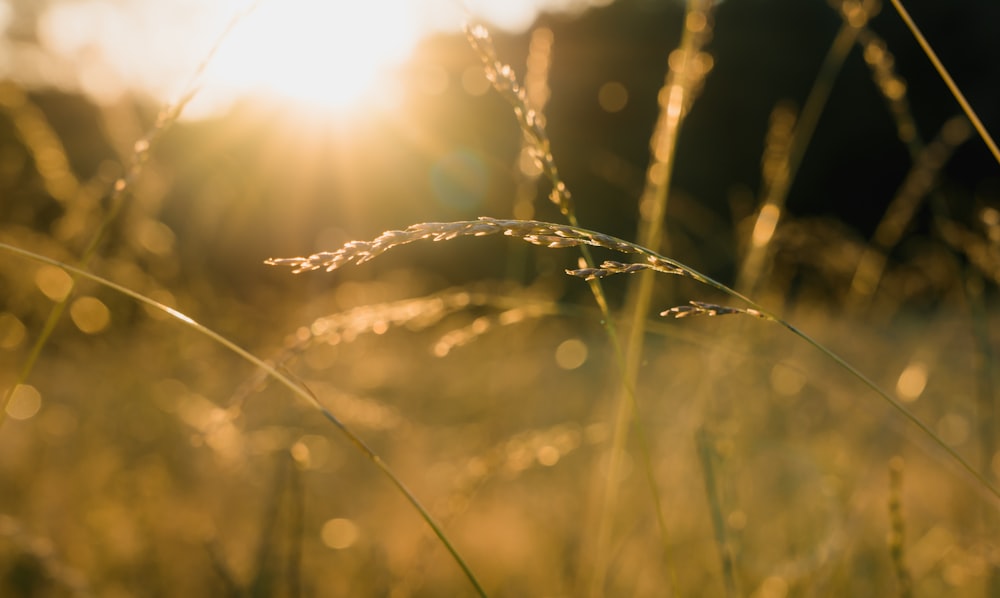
x=119, y=191
x=285, y=380
x=551, y=235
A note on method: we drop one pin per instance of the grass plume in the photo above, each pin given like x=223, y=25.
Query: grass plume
x=138, y=457
x=557, y=236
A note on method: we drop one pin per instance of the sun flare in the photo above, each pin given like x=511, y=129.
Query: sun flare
x=317, y=52
x=330, y=56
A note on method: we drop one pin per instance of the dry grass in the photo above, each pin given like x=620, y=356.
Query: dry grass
x=145, y=451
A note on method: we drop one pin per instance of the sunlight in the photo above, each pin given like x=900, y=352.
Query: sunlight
x=328, y=54
x=321, y=55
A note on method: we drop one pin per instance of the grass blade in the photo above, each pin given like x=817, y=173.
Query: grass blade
x=285, y=380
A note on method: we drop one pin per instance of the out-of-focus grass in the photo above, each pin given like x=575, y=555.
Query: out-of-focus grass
x=135, y=473
x=141, y=458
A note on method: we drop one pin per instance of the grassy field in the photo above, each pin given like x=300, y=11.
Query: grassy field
x=538, y=402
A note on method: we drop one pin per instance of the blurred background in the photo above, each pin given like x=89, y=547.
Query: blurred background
x=138, y=458
x=316, y=124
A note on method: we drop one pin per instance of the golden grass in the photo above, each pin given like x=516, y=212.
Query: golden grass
x=160, y=459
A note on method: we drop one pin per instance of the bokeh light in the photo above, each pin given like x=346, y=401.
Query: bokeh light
x=612, y=96
x=90, y=315
x=571, y=354
x=912, y=381
x=340, y=533
x=152, y=459
x=53, y=282
x=25, y=401
x=12, y=331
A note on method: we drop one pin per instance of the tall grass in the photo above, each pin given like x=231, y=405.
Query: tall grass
x=762, y=454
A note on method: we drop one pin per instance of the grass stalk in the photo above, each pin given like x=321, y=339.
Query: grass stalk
x=687, y=69
x=526, y=170
x=285, y=380
x=115, y=190
x=556, y=236
x=978, y=476
x=120, y=190
x=948, y=81
x=536, y=141
x=705, y=455
x=775, y=195
x=897, y=528
x=987, y=413
x=902, y=210
x=927, y=160
x=892, y=86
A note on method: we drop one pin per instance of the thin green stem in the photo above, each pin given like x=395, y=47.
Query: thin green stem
x=283, y=379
